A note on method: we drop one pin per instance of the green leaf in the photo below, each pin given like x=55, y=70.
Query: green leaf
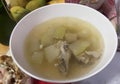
x=0, y=5
x=6, y=26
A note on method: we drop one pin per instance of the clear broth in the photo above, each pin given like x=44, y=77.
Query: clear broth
x=48, y=70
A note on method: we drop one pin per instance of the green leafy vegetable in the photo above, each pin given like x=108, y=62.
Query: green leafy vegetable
x=5, y=30
x=0, y=6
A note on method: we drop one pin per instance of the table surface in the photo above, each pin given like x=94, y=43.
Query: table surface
x=3, y=49
x=109, y=75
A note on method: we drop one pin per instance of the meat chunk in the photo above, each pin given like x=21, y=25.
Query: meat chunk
x=88, y=56
x=63, y=59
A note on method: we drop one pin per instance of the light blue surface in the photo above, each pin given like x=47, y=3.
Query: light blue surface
x=110, y=75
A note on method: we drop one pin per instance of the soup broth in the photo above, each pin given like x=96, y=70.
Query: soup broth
x=63, y=48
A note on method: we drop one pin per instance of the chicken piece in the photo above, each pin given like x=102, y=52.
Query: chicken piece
x=63, y=59
x=84, y=58
x=95, y=54
x=88, y=57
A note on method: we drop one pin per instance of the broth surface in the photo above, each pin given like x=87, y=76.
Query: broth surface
x=76, y=27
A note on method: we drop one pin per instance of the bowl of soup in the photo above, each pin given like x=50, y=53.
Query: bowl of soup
x=63, y=43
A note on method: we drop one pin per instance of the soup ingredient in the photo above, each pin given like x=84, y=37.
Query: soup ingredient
x=18, y=12
x=68, y=51
x=63, y=59
x=78, y=47
x=83, y=58
x=59, y=33
x=84, y=34
x=71, y=37
x=47, y=37
x=51, y=35
x=88, y=56
x=52, y=52
x=34, y=4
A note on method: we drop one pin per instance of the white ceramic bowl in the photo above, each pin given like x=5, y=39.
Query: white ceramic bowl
x=25, y=25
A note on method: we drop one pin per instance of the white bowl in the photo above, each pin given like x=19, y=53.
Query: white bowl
x=25, y=25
